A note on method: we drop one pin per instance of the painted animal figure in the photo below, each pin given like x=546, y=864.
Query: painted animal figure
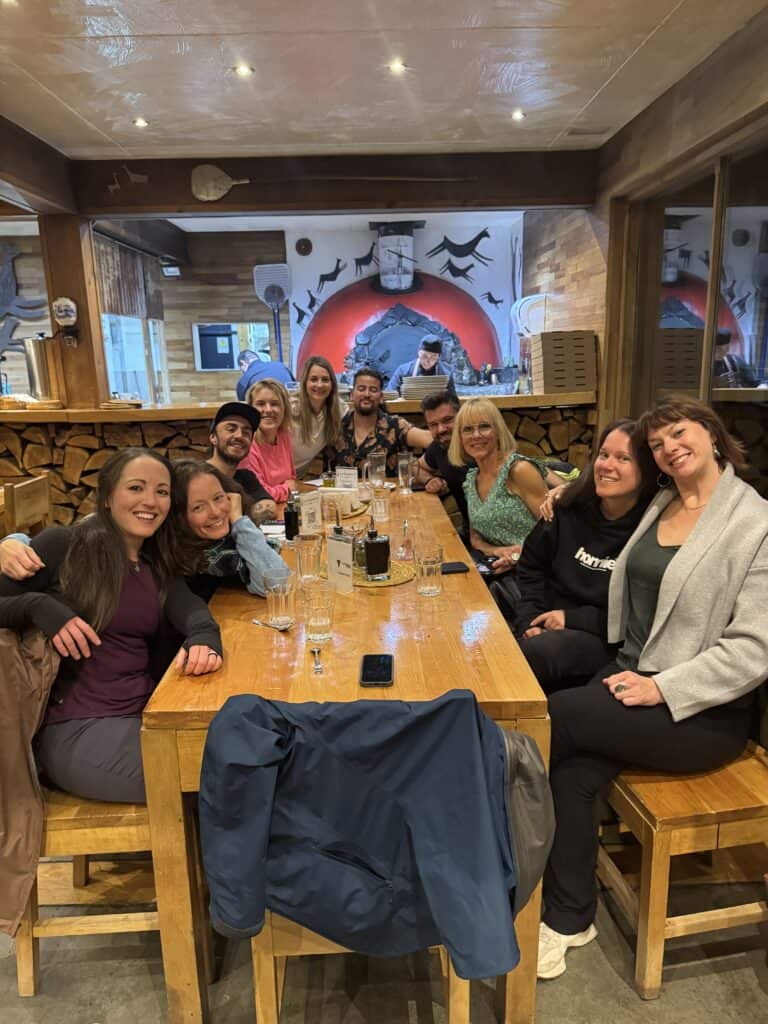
x=463, y=249
x=312, y=302
x=450, y=267
x=730, y=291
x=10, y=302
x=489, y=297
x=331, y=276
x=301, y=314
x=739, y=307
x=684, y=255
x=361, y=262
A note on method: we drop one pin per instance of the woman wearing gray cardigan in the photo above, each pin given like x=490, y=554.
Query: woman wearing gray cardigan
x=687, y=602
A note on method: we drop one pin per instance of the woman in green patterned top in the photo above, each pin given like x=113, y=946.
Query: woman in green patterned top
x=504, y=492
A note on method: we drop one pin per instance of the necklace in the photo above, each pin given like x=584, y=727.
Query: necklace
x=135, y=566
x=692, y=508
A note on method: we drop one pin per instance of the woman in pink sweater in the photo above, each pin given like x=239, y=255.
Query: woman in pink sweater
x=271, y=454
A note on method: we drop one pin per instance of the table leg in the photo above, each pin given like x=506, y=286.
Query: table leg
x=174, y=868
x=516, y=994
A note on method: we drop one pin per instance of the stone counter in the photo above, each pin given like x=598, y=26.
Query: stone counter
x=72, y=445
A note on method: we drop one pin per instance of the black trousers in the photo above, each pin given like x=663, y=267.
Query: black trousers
x=561, y=658
x=96, y=758
x=594, y=737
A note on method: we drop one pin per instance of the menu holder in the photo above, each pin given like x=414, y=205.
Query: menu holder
x=311, y=512
x=340, y=567
x=346, y=478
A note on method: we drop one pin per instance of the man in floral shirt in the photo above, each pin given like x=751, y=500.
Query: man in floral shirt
x=367, y=428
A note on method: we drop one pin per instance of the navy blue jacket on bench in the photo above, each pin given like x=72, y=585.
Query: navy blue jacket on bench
x=381, y=825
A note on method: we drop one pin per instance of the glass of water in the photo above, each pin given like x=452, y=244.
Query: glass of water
x=429, y=569
x=319, y=596
x=307, y=547
x=380, y=507
x=280, y=588
x=406, y=472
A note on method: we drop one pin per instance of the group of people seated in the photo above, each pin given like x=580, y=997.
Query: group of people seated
x=636, y=596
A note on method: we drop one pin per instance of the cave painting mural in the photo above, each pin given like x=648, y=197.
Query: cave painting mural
x=346, y=323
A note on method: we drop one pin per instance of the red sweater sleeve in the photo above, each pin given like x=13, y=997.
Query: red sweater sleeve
x=273, y=465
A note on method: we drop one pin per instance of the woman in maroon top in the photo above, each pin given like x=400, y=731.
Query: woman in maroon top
x=103, y=594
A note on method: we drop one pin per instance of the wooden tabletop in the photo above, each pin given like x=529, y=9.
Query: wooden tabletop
x=456, y=640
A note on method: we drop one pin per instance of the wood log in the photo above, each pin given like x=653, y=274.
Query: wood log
x=97, y=460
x=575, y=429
x=123, y=435
x=530, y=430
x=549, y=416
x=200, y=435
x=558, y=435
x=156, y=433
x=179, y=441
x=58, y=456
x=37, y=455
x=84, y=441
x=184, y=453
x=87, y=506
x=11, y=442
x=54, y=478
x=75, y=460
x=37, y=435
x=578, y=455
x=90, y=479
x=10, y=468
x=63, y=515
x=62, y=435
x=531, y=450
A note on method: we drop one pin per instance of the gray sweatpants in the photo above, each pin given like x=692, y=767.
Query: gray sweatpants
x=96, y=758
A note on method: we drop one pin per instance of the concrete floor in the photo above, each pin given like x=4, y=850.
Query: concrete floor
x=721, y=978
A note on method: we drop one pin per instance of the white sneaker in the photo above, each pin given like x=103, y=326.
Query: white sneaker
x=553, y=946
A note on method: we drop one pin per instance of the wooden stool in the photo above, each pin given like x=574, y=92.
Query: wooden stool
x=80, y=827
x=281, y=938
x=676, y=814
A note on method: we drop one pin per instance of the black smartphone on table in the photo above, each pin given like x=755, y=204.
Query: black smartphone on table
x=377, y=670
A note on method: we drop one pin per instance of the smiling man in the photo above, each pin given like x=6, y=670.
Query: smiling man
x=367, y=428
x=231, y=435
x=436, y=471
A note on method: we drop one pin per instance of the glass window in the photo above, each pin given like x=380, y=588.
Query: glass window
x=128, y=370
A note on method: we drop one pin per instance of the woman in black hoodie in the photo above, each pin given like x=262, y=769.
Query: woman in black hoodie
x=566, y=564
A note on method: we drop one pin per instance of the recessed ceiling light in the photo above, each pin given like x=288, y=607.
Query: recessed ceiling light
x=397, y=66
x=140, y=122
x=518, y=115
x=243, y=70
x=10, y=3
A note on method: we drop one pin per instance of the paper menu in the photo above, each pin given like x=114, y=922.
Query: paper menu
x=340, y=563
x=346, y=477
x=311, y=512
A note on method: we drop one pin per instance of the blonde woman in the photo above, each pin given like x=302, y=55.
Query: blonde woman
x=504, y=492
x=271, y=454
x=316, y=413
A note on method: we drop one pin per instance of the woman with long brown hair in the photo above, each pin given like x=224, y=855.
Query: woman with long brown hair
x=316, y=412
x=687, y=605
x=102, y=594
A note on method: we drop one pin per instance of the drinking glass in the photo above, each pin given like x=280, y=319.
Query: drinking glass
x=429, y=567
x=280, y=588
x=406, y=472
x=307, y=547
x=380, y=507
x=319, y=597
x=376, y=469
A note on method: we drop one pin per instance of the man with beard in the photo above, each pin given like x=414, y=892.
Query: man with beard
x=368, y=428
x=436, y=471
x=231, y=435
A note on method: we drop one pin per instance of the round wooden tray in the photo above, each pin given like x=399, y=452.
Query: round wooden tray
x=399, y=572
x=357, y=511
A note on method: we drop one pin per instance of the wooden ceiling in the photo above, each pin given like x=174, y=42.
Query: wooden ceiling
x=76, y=73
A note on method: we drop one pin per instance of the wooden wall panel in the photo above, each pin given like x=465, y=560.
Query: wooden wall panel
x=120, y=276
x=216, y=287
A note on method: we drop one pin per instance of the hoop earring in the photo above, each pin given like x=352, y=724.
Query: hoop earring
x=663, y=480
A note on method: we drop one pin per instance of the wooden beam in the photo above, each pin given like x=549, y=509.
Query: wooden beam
x=33, y=174
x=79, y=371
x=491, y=181
x=719, y=108
x=157, y=237
x=717, y=241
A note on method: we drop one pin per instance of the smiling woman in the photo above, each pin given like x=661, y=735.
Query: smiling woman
x=271, y=455
x=101, y=593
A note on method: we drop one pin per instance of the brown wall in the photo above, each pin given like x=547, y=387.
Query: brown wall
x=217, y=286
x=563, y=255
x=30, y=278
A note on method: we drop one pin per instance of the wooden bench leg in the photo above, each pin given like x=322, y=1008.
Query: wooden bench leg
x=28, y=948
x=516, y=993
x=654, y=894
x=80, y=871
x=266, y=985
x=458, y=998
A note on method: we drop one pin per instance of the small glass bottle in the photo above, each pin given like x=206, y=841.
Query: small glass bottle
x=404, y=552
x=376, y=556
x=291, y=516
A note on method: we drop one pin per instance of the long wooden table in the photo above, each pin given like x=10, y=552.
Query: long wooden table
x=456, y=640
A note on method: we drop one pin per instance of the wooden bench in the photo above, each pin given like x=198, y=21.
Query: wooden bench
x=671, y=815
x=76, y=827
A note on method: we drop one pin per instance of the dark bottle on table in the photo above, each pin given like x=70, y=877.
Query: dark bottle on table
x=376, y=556
x=291, y=516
